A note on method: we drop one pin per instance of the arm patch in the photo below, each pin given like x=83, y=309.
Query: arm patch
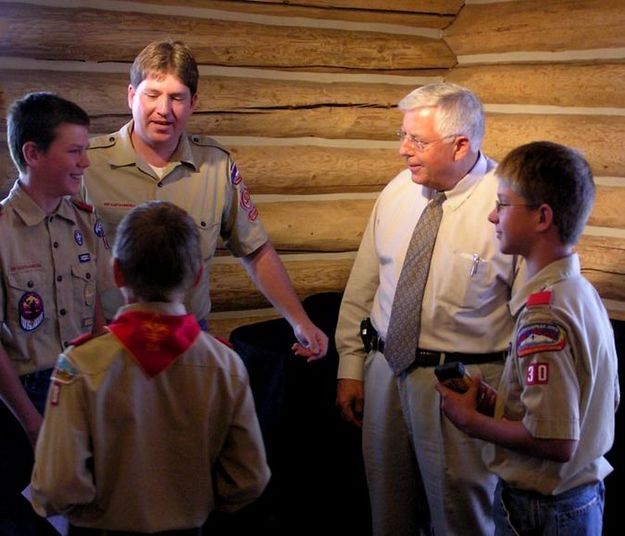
x=540, y=337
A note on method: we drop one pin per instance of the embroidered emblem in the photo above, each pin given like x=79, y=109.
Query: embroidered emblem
x=98, y=228
x=248, y=205
x=64, y=371
x=537, y=374
x=78, y=237
x=84, y=257
x=540, y=337
x=30, y=309
x=235, y=176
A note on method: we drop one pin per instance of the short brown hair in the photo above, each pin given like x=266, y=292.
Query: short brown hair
x=547, y=172
x=158, y=250
x=166, y=57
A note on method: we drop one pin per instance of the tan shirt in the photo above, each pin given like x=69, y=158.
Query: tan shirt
x=50, y=267
x=122, y=451
x=560, y=380
x=201, y=178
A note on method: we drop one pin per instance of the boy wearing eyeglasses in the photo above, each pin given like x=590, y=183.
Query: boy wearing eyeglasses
x=554, y=413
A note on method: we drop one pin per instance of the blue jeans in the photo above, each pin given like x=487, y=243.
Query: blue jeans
x=526, y=513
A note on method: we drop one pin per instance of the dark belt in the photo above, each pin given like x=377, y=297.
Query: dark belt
x=431, y=358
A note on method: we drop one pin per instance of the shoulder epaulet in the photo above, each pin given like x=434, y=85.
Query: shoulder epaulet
x=539, y=298
x=207, y=141
x=82, y=339
x=102, y=142
x=81, y=205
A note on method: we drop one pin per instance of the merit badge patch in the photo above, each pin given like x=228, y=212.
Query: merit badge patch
x=540, y=337
x=30, y=311
x=235, y=176
x=78, y=238
x=98, y=228
x=537, y=374
x=64, y=371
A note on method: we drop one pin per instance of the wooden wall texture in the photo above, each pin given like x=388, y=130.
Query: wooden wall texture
x=305, y=97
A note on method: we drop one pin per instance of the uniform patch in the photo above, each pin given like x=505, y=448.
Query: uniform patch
x=235, y=176
x=248, y=205
x=84, y=257
x=539, y=298
x=30, y=310
x=64, y=371
x=98, y=228
x=78, y=238
x=540, y=337
x=537, y=374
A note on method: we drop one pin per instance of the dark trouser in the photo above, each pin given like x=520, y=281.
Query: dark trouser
x=17, y=518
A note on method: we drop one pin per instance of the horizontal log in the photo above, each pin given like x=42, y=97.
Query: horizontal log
x=99, y=35
x=594, y=136
x=532, y=25
x=231, y=288
x=316, y=170
x=603, y=264
x=416, y=14
x=222, y=326
x=545, y=84
x=327, y=226
x=105, y=94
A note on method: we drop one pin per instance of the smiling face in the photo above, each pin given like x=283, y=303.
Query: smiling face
x=434, y=166
x=514, y=221
x=58, y=171
x=161, y=106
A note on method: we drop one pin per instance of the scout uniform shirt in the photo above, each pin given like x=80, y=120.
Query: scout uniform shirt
x=560, y=380
x=50, y=266
x=201, y=178
x=152, y=435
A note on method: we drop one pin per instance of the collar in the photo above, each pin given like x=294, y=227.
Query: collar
x=154, y=334
x=30, y=212
x=547, y=277
x=124, y=153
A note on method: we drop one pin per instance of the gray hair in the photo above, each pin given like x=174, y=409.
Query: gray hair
x=459, y=110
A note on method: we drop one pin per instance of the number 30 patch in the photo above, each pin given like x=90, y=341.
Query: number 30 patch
x=537, y=374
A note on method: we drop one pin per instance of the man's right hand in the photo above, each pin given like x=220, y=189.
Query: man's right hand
x=350, y=400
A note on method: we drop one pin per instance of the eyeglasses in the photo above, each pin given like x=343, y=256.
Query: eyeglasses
x=417, y=143
x=499, y=205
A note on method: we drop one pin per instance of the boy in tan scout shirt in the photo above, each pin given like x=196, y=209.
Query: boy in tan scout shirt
x=53, y=261
x=151, y=426
x=554, y=414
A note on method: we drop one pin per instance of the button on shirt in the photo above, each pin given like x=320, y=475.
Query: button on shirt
x=50, y=268
x=469, y=284
x=201, y=178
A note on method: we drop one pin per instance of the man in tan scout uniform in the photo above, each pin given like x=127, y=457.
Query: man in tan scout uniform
x=53, y=259
x=153, y=158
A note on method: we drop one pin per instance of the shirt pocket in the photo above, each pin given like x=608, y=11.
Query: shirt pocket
x=27, y=302
x=468, y=280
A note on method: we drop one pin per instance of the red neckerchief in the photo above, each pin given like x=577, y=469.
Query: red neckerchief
x=154, y=340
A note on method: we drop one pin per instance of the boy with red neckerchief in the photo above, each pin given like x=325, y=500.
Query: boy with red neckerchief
x=151, y=426
x=554, y=413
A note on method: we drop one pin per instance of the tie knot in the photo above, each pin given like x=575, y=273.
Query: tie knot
x=439, y=198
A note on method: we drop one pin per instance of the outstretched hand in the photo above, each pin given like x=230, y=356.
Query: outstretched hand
x=312, y=342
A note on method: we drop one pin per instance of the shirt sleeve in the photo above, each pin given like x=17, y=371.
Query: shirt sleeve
x=357, y=300
x=62, y=479
x=241, y=471
x=546, y=368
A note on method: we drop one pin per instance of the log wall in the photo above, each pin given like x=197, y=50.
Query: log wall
x=305, y=97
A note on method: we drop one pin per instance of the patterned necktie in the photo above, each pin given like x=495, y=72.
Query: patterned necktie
x=405, y=322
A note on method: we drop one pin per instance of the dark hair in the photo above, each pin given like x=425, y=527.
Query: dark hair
x=158, y=250
x=166, y=57
x=546, y=172
x=35, y=117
